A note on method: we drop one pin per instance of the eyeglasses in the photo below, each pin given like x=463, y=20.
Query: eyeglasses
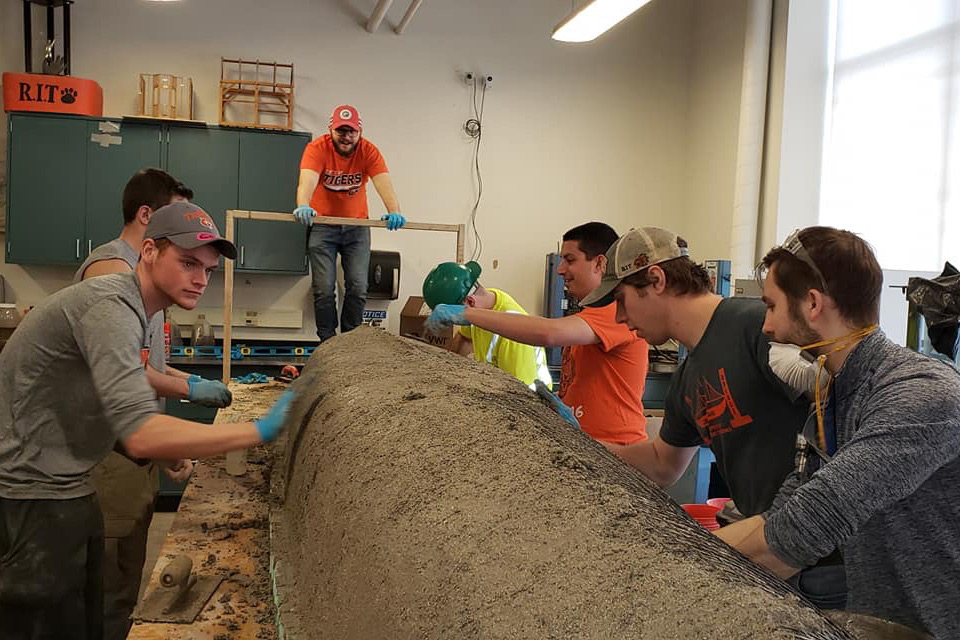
x=794, y=247
x=346, y=132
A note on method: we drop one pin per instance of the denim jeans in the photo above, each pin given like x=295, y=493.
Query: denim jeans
x=353, y=244
x=823, y=585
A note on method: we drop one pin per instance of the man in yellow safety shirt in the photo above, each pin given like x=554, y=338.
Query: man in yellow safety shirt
x=452, y=283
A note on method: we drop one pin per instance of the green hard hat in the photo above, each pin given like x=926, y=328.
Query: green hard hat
x=449, y=283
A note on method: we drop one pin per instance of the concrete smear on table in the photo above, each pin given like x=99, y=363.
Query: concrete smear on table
x=427, y=496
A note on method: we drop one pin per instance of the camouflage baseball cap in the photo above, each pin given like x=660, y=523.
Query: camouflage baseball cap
x=631, y=253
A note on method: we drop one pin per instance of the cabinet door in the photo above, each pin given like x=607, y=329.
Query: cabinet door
x=47, y=192
x=269, y=171
x=113, y=156
x=271, y=246
x=206, y=160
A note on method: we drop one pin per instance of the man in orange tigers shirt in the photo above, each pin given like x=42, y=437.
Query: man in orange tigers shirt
x=333, y=182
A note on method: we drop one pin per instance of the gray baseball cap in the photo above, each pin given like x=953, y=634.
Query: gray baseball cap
x=188, y=226
x=633, y=252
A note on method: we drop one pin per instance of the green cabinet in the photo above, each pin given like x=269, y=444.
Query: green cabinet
x=112, y=157
x=66, y=176
x=269, y=170
x=45, y=210
x=276, y=247
x=66, y=180
x=206, y=160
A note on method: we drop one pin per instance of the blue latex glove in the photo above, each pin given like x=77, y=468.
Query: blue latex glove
x=209, y=393
x=304, y=214
x=270, y=425
x=394, y=221
x=446, y=315
x=556, y=403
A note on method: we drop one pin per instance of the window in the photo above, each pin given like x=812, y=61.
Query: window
x=891, y=165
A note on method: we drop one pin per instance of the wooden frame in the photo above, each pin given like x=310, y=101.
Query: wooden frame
x=228, y=266
x=167, y=96
x=268, y=93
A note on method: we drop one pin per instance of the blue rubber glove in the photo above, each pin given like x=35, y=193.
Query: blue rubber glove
x=446, y=315
x=208, y=393
x=270, y=425
x=556, y=403
x=394, y=221
x=304, y=214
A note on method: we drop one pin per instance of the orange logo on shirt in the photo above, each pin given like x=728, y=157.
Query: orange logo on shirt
x=342, y=182
x=715, y=413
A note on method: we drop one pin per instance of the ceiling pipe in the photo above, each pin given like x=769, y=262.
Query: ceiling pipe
x=408, y=16
x=377, y=16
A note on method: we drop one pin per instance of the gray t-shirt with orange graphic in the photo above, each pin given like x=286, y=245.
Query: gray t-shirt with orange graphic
x=726, y=396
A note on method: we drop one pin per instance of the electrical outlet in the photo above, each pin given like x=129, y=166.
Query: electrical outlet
x=487, y=81
x=468, y=78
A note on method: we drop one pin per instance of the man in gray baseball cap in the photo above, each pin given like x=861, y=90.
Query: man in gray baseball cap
x=725, y=394
x=188, y=226
x=73, y=386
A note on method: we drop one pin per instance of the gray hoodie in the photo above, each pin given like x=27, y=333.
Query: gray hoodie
x=890, y=497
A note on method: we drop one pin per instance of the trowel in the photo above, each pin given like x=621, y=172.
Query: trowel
x=180, y=596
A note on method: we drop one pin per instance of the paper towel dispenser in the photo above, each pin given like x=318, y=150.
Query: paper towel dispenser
x=383, y=279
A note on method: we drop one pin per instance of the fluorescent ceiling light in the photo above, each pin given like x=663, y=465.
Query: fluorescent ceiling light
x=594, y=18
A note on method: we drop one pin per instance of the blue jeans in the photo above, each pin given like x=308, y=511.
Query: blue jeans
x=353, y=244
x=823, y=585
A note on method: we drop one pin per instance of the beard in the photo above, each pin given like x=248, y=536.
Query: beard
x=801, y=333
x=346, y=150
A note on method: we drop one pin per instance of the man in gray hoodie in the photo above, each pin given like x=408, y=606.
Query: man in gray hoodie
x=884, y=442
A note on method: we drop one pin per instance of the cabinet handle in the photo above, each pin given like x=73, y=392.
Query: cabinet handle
x=78, y=248
x=241, y=254
x=89, y=247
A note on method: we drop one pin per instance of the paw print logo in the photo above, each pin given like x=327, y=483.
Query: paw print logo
x=68, y=95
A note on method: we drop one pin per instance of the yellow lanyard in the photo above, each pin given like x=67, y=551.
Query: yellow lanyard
x=842, y=343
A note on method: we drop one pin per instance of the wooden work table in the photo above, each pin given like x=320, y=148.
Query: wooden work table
x=223, y=525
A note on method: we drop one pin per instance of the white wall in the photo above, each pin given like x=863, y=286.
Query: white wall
x=710, y=164
x=572, y=132
x=806, y=74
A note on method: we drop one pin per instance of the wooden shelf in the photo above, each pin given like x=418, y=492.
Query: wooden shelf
x=267, y=86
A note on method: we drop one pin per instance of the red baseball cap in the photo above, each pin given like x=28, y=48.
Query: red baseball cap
x=346, y=116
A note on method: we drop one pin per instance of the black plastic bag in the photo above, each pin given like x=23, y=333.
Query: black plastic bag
x=939, y=302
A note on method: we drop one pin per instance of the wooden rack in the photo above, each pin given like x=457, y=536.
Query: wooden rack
x=256, y=89
x=165, y=96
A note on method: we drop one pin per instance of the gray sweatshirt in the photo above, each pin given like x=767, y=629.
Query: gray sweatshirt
x=71, y=384
x=890, y=497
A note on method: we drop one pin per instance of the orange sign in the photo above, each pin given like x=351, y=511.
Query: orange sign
x=51, y=94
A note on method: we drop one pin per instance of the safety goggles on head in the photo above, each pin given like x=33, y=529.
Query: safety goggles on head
x=793, y=246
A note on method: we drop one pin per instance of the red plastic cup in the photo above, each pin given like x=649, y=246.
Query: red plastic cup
x=704, y=514
x=718, y=502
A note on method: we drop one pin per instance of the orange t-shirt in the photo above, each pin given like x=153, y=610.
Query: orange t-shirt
x=342, y=190
x=603, y=382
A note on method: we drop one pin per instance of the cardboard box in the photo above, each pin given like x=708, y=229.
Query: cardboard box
x=414, y=314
